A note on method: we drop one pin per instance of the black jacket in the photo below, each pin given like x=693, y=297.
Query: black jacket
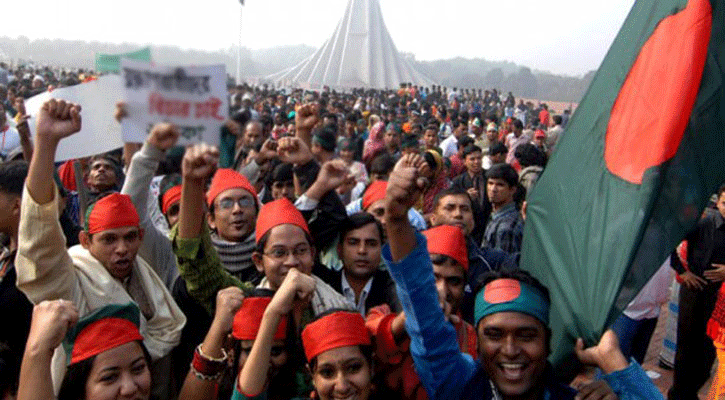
x=700, y=244
x=382, y=290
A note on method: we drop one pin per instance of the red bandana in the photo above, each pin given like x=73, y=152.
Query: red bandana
x=170, y=197
x=449, y=241
x=340, y=329
x=226, y=179
x=374, y=192
x=278, y=212
x=249, y=318
x=113, y=211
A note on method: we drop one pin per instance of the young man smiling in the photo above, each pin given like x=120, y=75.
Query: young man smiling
x=511, y=323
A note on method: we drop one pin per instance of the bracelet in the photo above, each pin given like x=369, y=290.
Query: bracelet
x=212, y=359
x=208, y=368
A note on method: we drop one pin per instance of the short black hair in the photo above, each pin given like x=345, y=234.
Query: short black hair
x=557, y=119
x=357, y=221
x=12, y=176
x=517, y=123
x=470, y=149
x=382, y=164
x=451, y=191
x=528, y=155
x=721, y=190
x=505, y=172
x=465, y=141
x=497, y=148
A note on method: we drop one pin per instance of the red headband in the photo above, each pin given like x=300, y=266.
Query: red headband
x=170, y=197
x=249, y=317
x=374, y=192
x=449, y=241
x=113, y=211
x=278, y=212
x=226, y=179
x=340, y=329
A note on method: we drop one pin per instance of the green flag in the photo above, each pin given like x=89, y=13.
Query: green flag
x=632, y=173
x=112, y=62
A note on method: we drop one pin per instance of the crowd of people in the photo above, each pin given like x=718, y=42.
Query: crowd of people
x=359, y=244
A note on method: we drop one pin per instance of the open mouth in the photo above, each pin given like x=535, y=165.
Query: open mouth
x=512, y=371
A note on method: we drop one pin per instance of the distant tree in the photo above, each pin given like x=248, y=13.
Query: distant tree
x=494, y=78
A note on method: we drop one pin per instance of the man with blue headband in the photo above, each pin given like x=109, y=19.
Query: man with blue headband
x=511, y=320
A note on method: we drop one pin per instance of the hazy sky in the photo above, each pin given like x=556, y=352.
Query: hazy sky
x=561, y=36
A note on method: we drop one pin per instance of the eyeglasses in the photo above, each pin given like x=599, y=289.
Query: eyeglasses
x=281, y=253
x=228, y=204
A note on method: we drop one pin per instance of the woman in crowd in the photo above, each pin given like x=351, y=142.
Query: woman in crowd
x=339, y=355
x=264, y=367
x=105, y=353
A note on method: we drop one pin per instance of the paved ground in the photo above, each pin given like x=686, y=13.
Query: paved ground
x=651, y=362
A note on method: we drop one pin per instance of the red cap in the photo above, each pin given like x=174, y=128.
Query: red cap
x=449, y=241
x=170, y=197
x=278, y=212
x=539, y=134
x=374, y=192
x=67, y=175
x=104, y=329
x=226, y=179
x=340, y=329
x=113, y=211
x=249, y=317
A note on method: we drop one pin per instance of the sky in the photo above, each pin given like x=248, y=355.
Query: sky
x=561, y=36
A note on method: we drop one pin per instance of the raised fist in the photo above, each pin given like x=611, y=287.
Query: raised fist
x=121, y=112
x=334, y=174
x=58, y=119
x=200, y=161
x=406, y=184
x=307, y=116
x=267, y=152
x=296, y=287
x=293, y=150
x=163, y=136
x=228, y=302
x=50, y=322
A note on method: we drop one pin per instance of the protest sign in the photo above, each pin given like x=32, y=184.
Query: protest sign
x=192, y=98
x=99, y=132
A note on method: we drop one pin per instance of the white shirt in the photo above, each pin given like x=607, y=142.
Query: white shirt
x=349, y=294
x=449, y=146
x=10, y=140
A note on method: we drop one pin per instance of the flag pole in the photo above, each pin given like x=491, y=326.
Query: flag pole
x=239, y=46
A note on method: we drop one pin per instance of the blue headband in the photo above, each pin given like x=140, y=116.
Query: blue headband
x=504, y=295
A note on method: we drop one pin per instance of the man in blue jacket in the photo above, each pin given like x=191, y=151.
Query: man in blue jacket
x=511, y=320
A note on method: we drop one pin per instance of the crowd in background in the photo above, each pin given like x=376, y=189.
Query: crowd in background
x=335, y=244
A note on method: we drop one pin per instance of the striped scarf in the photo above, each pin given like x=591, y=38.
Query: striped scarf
x=236, y=257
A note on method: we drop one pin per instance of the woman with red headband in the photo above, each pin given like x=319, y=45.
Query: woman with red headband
x=339, y=355
x=104, y=351
x=259, y=325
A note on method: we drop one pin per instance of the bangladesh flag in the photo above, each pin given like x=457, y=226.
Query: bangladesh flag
x=634, y=169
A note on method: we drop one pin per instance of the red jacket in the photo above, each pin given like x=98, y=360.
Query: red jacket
x=394, y=361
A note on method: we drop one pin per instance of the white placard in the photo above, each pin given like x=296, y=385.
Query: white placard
x=99, y=130
x=193, y=98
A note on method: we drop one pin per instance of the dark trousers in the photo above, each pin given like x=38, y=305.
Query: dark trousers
x=695, y=352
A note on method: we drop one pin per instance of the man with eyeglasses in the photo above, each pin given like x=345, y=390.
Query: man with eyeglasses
x=282, y=237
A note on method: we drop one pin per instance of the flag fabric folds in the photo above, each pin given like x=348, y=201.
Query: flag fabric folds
x=632, y=173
